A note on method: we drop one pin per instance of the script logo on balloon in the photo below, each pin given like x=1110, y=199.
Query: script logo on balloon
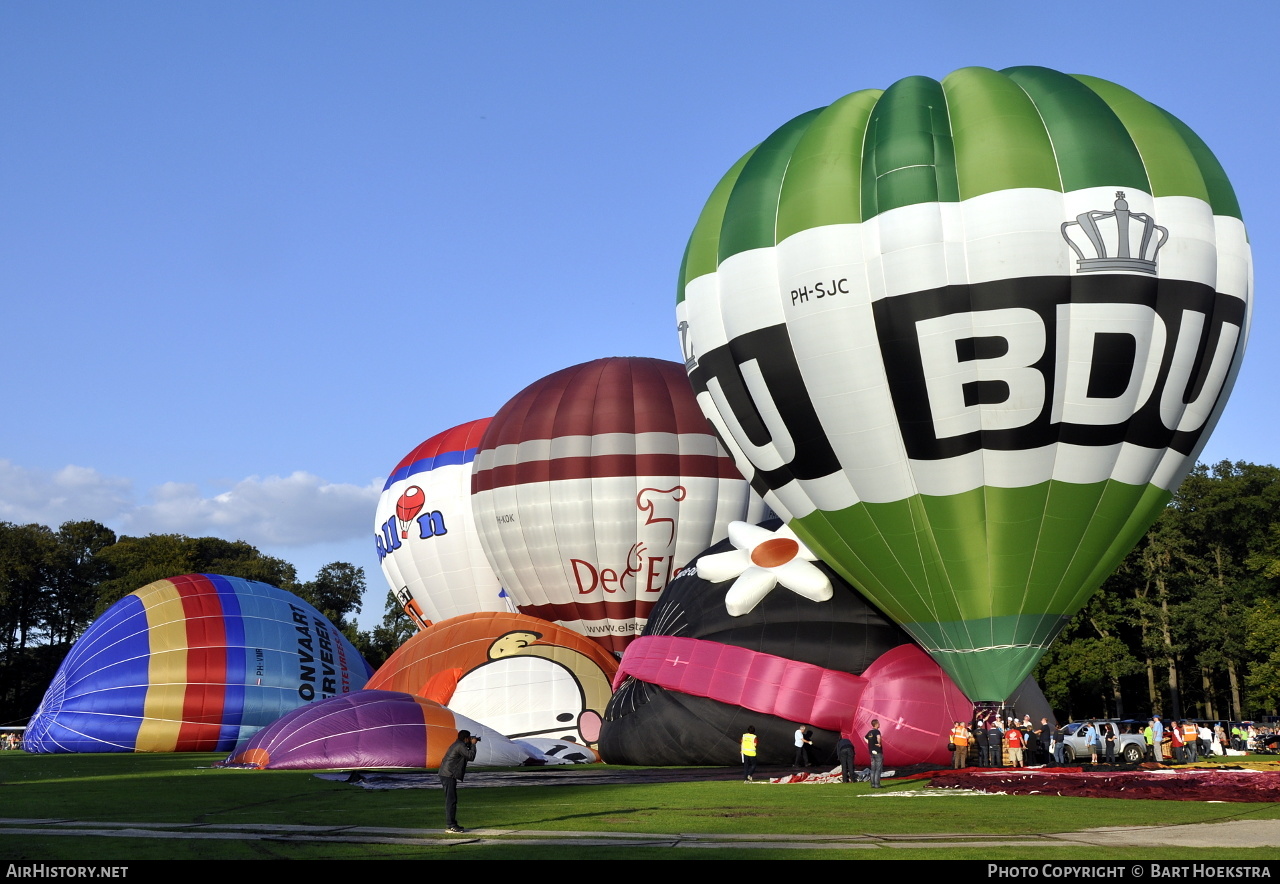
x=655, y=570
x=429, y=525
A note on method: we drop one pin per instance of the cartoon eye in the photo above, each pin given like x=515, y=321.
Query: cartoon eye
x=565, y=716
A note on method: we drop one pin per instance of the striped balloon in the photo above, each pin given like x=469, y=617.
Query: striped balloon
x=970, y=335
x=192, y=664
x=371, y=729
x=426, y=536
x=594, y=485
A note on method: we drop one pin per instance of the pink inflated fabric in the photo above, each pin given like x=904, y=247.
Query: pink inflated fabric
x=915, y=703
x=760, y=682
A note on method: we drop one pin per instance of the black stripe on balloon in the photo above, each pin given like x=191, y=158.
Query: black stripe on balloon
x=771, y=349
x=1112, y=354
x=1112, y=359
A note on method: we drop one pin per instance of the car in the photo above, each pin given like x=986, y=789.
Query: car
x=1130, y=747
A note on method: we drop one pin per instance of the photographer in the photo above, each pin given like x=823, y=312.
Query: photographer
x=452, y=771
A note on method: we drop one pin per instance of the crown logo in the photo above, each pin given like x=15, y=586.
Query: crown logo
x=1115, y=240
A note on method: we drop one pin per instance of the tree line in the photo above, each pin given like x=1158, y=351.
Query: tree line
x=53, y=584
x=1187, y=626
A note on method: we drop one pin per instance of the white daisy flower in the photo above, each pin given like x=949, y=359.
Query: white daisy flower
x=761, y=561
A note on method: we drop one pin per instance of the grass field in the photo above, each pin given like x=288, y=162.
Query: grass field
x=214, y=808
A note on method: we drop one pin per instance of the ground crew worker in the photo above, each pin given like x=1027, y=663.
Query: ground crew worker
x=960, y=738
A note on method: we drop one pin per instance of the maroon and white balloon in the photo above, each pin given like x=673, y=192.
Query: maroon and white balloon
x=594, y=485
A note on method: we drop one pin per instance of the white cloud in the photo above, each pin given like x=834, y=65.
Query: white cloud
x=71, y=493
x=295, y=510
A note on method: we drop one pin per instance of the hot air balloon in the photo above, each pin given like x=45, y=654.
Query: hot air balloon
x=593, y=485
x=192, y=664
x=970, y=335
x=370, y=729
x=525, y=678
x=426, y=537
x=740, y=638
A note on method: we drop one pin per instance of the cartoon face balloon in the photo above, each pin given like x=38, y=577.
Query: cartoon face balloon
x=971, y=334
x=740, y=639
x=192, y=664
x=426, y=537
x=521, y=676
x=593, y=485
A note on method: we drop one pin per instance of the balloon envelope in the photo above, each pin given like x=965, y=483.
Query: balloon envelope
x=970, y=334
x=523, y=677
x=370, y=729
x=426, y=536
x=916, y=704
x=701, y=675
x=192, y=664
x=593, y=485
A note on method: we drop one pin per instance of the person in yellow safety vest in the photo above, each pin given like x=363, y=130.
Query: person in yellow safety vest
x=960, y=738
x=749, y=754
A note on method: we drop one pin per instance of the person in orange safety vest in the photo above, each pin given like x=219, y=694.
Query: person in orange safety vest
x=960, y=738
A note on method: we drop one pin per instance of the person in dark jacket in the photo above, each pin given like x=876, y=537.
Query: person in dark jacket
x=452, y=771
x=844, y=751
x=979, y=730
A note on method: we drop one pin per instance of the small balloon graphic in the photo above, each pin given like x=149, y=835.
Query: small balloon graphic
x=408, y=507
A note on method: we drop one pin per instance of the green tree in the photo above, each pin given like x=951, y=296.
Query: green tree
x=1085, y=671
x=1182, y=603
x=382, y=641
x=27, y=555
x=73, y=578
x=338, y=593
x=1263, y=640
x=136, y=561
x=1164, y=561
x=1225, y=512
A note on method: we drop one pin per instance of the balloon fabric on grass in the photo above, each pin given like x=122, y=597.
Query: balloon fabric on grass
x=370, y=729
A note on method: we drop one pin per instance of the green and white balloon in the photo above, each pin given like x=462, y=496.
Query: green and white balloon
x=968, y=336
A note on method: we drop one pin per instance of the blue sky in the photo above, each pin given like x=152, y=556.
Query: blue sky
x=252, y=253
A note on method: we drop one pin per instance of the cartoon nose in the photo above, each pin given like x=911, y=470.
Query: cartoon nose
x=589, y=724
